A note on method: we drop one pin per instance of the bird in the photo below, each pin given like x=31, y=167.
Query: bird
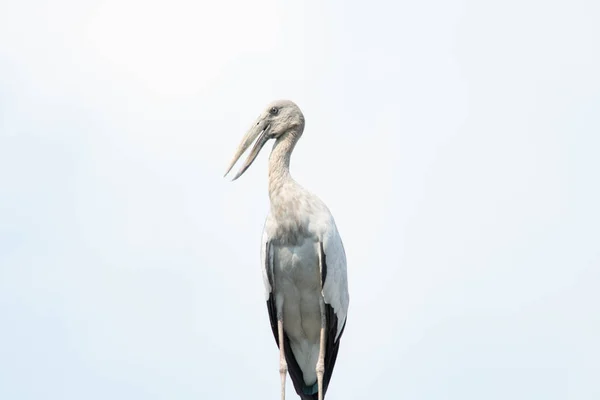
x=303, y=260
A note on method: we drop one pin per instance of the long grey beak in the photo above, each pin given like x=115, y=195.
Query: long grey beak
x=256, y=130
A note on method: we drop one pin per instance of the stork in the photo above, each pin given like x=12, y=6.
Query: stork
x=302, y=258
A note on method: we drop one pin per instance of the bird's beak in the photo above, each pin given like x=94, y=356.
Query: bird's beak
x=260, y=130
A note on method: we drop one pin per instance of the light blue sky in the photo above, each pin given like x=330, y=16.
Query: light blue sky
x=456, y=143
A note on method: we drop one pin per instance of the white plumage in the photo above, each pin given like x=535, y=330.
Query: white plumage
x=303, y=260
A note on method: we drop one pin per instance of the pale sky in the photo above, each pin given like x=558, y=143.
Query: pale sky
x=456, y=143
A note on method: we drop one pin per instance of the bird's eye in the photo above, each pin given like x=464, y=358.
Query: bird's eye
x=274, y=111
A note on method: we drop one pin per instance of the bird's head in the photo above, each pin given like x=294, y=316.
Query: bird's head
x=280, y=118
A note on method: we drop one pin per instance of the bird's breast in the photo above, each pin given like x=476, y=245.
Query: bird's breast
x=297, y=265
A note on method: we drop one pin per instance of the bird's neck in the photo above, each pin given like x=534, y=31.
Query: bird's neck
x=279, y=162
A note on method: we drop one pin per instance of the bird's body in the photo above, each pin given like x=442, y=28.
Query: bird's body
x=296, y=271
x=303, y=261
x=295, y=228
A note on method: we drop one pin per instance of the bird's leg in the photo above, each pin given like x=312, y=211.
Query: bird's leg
x=282, y=362
x=321, y=360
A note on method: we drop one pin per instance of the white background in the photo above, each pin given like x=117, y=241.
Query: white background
x=456, y=143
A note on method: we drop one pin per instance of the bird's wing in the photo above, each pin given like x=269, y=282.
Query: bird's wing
x=266, y=257
x=335, y=286
x=335, y=294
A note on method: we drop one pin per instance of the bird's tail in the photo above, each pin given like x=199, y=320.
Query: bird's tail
x=309, y=392
x=306, y=392
x=309, y=396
